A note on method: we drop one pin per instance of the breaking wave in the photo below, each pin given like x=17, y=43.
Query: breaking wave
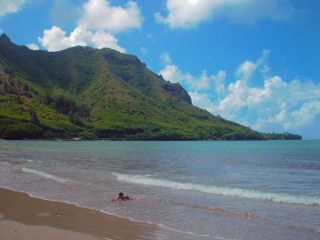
x=225, y=191
x=43, y=174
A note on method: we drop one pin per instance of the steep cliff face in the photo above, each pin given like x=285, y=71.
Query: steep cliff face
x=94, y=93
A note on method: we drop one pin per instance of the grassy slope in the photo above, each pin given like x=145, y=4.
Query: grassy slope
x=124, y=99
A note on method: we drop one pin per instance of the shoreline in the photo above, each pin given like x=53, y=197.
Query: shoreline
x=151, y=140
x=33, y=218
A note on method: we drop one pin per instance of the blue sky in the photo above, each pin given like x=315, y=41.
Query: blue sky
x=256, y=62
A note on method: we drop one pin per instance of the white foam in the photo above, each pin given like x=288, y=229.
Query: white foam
x=43, y=174
x=193, y=234
x=225, y=191
x=24, y=160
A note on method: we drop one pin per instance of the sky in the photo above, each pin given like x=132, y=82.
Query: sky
x=256, y=62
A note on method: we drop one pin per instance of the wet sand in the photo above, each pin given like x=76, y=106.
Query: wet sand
x=25, y=217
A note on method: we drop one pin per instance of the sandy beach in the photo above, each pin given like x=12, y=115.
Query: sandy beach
x=25, y=217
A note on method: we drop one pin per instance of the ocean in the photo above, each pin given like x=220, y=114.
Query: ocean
x=246, y=190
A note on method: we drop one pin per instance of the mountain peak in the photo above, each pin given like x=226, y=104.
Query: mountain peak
x=4, y=37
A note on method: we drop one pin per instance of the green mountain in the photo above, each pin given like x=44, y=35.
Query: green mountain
x=89, y=93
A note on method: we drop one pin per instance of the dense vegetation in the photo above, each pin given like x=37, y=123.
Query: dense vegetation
x=87, y=93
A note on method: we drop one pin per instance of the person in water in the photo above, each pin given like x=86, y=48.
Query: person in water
x=122, y=197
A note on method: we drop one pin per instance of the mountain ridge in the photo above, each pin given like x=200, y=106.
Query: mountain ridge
x=100, y=93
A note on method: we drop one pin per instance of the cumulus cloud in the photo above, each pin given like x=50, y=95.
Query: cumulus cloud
x=189, y=13
x=246, y=69
x=55, y=39
x=203, y=82
x=201, y=99
x=101, y=39
x=172, y=74
x=284, y=105
x=218, y=82
x=10, y=6
x=33, y=46
x=98, y=14
x=277, y=105
x=96, y=27
x=306, y=115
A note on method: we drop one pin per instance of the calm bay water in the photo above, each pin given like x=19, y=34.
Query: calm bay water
x=192, y=190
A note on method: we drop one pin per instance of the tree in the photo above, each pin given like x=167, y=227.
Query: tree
x=19, y=101
x=75, y=118
x=47, y=98
x=34, y=117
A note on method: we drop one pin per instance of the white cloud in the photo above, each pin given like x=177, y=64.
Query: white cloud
x=288, y=105
x=98, y=14
x=10, y=6
x=189, y=13
x=55, y=39
x=1, y=30
x=306, y=115
x=277, y=105
x=246, y=69
x=96, y=27
x=201, y=83
x=172, y=74
x=218, y=81
x=33, y=46
x=234, y=100
x=101, y=39
x=201, y=99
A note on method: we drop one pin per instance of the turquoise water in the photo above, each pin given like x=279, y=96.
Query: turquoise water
x=192, y=190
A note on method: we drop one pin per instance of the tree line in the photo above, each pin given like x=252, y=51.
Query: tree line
x=68, y=107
